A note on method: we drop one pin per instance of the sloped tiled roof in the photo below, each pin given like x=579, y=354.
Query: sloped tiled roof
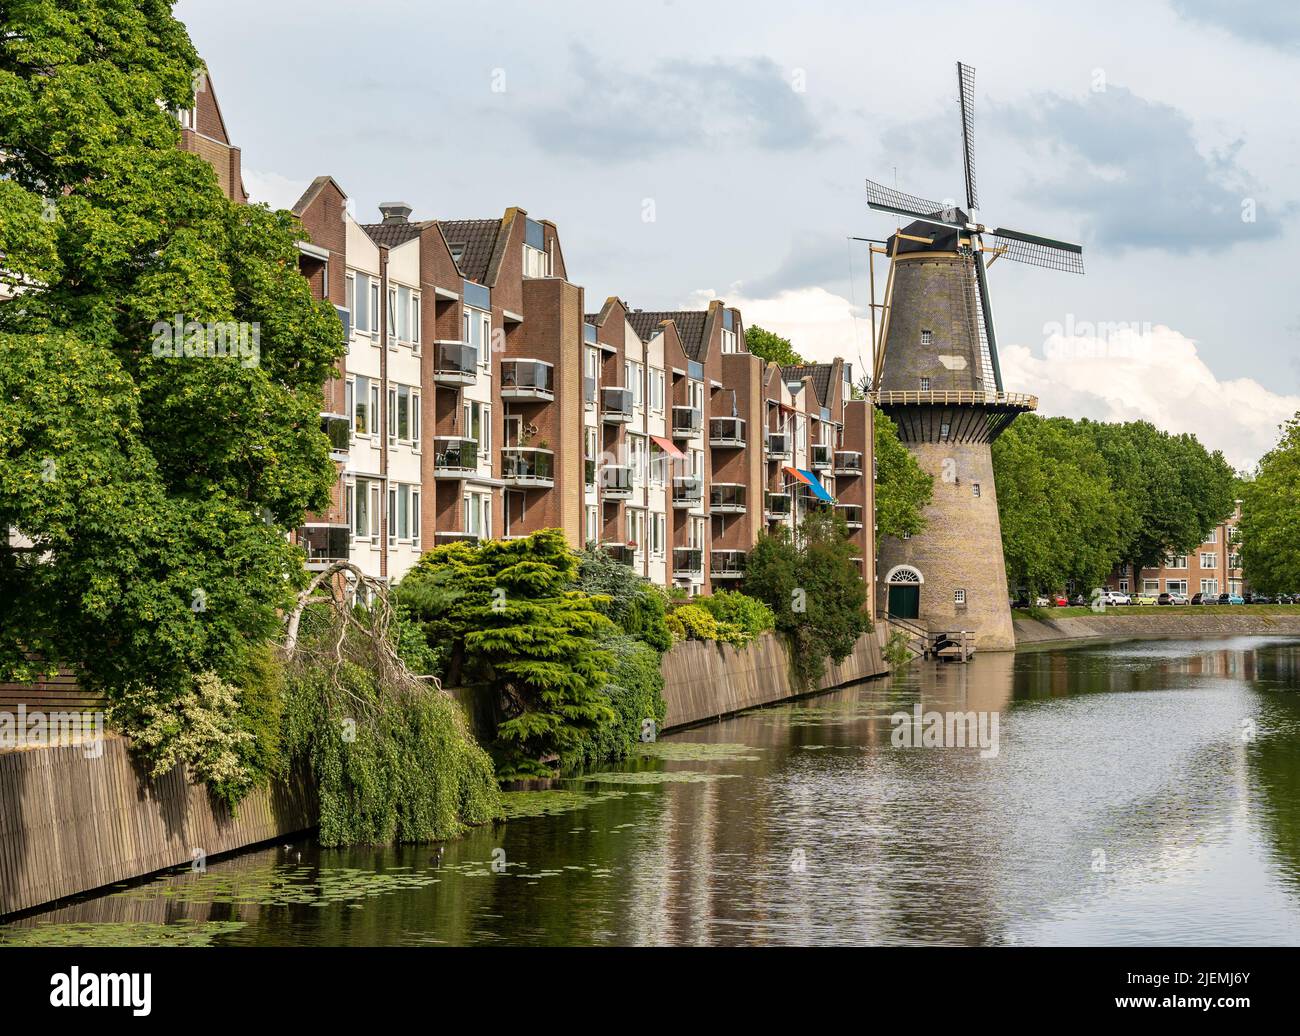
x=820, y=374
x=475, y=240
x=393, y=234
x=690, y=325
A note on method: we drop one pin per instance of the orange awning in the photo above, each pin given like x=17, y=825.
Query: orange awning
x=668, y=446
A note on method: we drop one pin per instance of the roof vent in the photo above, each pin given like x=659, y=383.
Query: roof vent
x=396, y=211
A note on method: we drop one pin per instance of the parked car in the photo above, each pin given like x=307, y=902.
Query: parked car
x=1172, y=597
x=1260, y=599
x=1041, y=602
x=1060, y=601
x=1019, y=602
x=1199, y=598
x=1231, y=599
x=1109, y=597
x=1145, y=598
x=1079, y=601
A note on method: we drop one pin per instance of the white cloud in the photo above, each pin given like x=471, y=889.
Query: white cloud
x=820, y=324
x=1152, y=374
x=1107, y=373
x=279, y=192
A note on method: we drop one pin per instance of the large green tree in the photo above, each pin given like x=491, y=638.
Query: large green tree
x=153, y=491
x=1059, y=516
x=903, y=487
x=814, y=588
x=1270, y=517
x=772, y=347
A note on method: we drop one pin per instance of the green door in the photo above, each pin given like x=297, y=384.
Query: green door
x=905, y=600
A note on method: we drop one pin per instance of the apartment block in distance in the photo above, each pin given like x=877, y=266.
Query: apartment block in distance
x=1213, y=568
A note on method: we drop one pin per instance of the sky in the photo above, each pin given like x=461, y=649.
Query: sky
x=718, y=150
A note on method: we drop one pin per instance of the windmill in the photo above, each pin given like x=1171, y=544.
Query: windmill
x=937, y=376
x=1015, y=245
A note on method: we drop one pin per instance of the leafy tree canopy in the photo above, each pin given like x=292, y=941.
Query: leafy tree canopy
x=1270, y=517
x=903, y=487
x=154, y=491
x=771, y=347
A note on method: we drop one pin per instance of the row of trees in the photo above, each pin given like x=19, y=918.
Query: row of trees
x=1270, y=517
x=1077, y=498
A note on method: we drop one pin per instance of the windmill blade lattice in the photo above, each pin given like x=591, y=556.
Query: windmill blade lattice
x=966, y=94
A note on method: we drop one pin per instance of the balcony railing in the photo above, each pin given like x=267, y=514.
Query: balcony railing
x=456, y=537
x=823, y=456
x=687, y=421
x=528, y=466
x=324, y=543
x=688, y=491
x=848, y=462
x=338, y=429
x=779, y=505
x=727, y=432
x=957, y=397
x=851, y=513
x=455, y=363
x=727, y=564
x=778, y=444
x=616, y=481
x=688, y=561
x=620, y=552
x=616, y=405
x=727, y=498
x=527, y=379
x=454, y=457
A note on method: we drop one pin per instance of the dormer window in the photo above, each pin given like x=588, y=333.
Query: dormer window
x=536, y=262
x=728, y=341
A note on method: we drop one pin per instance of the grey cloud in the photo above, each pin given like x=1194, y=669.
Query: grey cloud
x=1273, y=23
x=1130, y=167
x=814, y=260
x=617, y=115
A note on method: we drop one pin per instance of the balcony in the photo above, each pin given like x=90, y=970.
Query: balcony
x=616, y=405
x=727, y=498
x=779, y=506
x=454, y=457
x=688, y=491
x=616, y=481
x=727, y=432
x=848, y=462
x=324, y=543
x=851, y=513
x=822, y=456
x=527, y=379
x=528, y=466
x=455, y=363
x=778, y=446
x=620, y=552
x=338, y=430
x=687, y=422
x=456, y=537
x=727, y=564
x=688, y=561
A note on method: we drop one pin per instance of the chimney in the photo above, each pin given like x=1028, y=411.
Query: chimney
x=395, y=211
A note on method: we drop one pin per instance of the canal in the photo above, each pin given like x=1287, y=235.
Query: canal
x=1141, y=793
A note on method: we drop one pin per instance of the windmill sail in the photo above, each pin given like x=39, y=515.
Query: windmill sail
x=976, y=309
x=966, y=94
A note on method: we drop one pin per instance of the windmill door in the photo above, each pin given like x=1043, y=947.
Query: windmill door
x=905, y=600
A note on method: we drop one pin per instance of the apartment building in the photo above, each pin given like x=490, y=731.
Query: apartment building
x=203, y=133
x=1213, y=568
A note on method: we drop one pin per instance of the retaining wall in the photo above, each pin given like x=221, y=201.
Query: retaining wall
x=705, y=681
x=1157, y=622
x=70, y=823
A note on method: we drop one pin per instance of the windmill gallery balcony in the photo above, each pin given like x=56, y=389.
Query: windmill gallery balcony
x=528, y=466
x=527, y=379
x=727, y=498
x=455, y=363
x=454, y=457
x=727, y=432
x=688, y=491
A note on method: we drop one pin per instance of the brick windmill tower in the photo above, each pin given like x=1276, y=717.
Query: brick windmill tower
x=937, y=375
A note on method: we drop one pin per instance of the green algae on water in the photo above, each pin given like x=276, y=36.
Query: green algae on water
x=696, y=751
x=123, y=933
x=521, y=805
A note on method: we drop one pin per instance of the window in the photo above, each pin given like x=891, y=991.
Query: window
x=1209, y=586
x=1213, y=537
x=1209, y=560
x=633, y=378
x=478, y=515
x=365, y=412
x=697, y=534
x=537, y=263
x=925, y=384
x=415, y=319
x=363, y=302
x=1234, y=561
x=478, y=333
x=636, y=529
x=974, y=489
x=363, y=503
x=695, y=391
x=656, y=389
x=636, y=457
x=927, y=338
x=593, y=527
x=1176, y=561
x=943, y=433
x=728, y=341
x=658, y=534
x=658, y=465
x=958, y=596
x=478, y=425
x=1123, y=586
x=1151, y=586
x=1176, y=586
x=404, y=414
